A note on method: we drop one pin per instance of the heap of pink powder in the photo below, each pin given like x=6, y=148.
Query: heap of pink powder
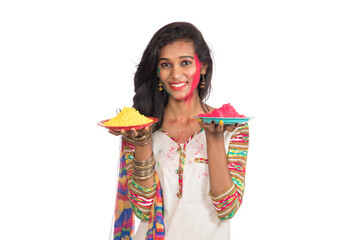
x=225, y=111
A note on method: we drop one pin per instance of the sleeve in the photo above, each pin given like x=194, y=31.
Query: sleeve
x=141, y=199
x=228, y=202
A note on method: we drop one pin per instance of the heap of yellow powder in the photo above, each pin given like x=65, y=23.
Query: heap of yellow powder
x=128, y=117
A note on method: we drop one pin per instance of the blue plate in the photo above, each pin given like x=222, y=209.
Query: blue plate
x=226, y=120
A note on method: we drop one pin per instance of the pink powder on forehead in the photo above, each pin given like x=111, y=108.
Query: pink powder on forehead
x=195, y=77
x=225, y=111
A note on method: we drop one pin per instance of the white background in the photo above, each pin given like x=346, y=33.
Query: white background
x=65, y=65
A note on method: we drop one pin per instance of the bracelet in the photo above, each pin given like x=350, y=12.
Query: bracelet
x=140, y=141
x=143, y=173
x=142, y=138
x=143, y=168
x=143, y=178
x=143, y=143
x=143, y=162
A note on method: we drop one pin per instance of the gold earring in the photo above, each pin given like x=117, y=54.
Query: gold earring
x=203, y=83
x=160, y=86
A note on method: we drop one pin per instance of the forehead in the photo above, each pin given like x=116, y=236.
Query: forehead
x=177, y=49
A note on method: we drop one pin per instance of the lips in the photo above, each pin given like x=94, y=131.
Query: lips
x=178, y=86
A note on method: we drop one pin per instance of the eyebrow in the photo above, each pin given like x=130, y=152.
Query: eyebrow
x=166, y=59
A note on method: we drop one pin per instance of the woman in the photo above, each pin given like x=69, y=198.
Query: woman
x=183, y=178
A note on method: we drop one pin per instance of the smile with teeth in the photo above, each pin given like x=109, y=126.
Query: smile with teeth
x=177, y=86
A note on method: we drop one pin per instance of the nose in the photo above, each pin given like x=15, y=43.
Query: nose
x=176, y=73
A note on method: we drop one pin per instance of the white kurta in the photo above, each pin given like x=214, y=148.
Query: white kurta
x=194, y=215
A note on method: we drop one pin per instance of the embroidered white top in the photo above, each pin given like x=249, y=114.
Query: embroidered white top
x=191, y=212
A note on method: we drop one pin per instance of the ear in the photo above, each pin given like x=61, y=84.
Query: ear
x=203, y=69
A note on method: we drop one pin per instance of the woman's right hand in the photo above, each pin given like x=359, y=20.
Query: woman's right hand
x=133, y=135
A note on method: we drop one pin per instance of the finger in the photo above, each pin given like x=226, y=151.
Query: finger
x=116, y=133
x=134, y=133
x=212, y=126
x=146, y=130
x=220, y=127
x=127, y=134
x=231, y=128
x=202, y=123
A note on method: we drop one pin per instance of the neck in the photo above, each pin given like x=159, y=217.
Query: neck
x=183, y=109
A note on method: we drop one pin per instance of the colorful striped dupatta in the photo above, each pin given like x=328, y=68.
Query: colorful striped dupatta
x=124, y=224
x=156, y=229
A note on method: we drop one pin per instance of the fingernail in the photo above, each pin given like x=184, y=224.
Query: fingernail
x=236, y=124
x=212, y=122
x=122, y=131
x=199, y=120
x=221, y=122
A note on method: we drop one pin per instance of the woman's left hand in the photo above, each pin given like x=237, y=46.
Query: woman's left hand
x=216, y=130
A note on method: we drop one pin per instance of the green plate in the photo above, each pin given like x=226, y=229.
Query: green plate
x=226, y=120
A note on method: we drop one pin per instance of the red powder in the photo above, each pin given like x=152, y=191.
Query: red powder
x=225, y=111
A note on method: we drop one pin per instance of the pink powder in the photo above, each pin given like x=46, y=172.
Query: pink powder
x=196, y=79
x=225, y=111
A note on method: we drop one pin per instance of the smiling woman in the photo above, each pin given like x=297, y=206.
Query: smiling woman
x=179, y=69
x=182, y=178
x=147, y=77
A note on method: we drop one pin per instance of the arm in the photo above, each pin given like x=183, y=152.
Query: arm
x=140, y=152
x=227, y=171
x=140, y=193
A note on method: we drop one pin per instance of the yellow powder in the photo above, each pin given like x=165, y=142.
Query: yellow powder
x=128, y=117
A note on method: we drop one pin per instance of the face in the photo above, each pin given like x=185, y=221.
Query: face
x=179, y=69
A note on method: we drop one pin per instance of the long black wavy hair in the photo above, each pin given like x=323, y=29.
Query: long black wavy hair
x=148, y=100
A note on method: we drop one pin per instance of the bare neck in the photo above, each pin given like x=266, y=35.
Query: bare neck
x=183, y=109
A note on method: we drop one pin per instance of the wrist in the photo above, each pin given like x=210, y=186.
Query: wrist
x=143, y=140
x=138, y=140
x=143, y=169
x=147, y=147
x=143, y=152
x=215, y=137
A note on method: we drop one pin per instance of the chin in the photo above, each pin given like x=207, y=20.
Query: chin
x=179, y=97
x=186, y=98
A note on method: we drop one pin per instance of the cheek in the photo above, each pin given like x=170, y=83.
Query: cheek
x=189, y=74
x=196, y=76
x=162, y=74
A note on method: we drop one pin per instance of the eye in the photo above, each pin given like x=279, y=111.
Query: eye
x=165, y=64
x=186, y=62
